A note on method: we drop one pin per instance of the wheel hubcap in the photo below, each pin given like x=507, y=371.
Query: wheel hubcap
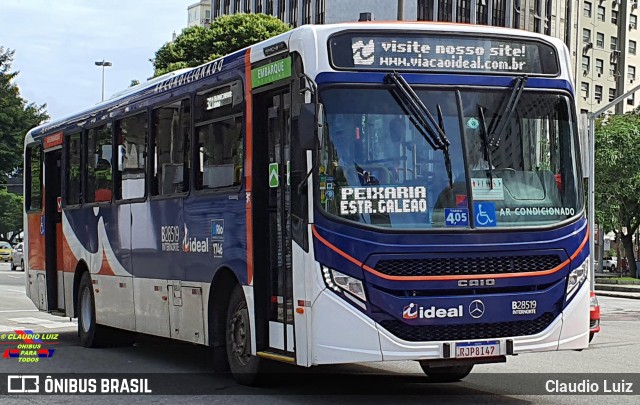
x=85, y=310
x=238, y=336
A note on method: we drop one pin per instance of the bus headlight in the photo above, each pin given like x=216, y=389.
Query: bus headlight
x=338, y=281
x=576, y=277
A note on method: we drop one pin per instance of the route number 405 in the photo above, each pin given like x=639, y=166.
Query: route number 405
x=456, y=217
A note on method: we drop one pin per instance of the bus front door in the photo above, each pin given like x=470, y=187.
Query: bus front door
x=53, y=229
x=273, y=287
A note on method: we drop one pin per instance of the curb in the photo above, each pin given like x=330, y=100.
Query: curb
x=633, y=296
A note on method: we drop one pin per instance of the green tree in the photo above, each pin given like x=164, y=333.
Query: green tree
x=17, y=116
x=617, y=179
x=10, y=212
x=226, y=34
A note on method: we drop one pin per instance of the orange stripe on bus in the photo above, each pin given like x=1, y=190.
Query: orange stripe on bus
x=248, y=167
x=439, y=278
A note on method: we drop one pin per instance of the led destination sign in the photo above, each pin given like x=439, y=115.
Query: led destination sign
x=441, y=53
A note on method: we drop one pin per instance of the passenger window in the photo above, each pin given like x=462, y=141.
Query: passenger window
x=220, y=153
x=132, y=152
x=74, y=170
x=34, y=178
x=219, y=136
x=172, y=148
x=98, y=166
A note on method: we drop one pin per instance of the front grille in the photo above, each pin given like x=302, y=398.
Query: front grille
x=429, y=333
x=466, y=266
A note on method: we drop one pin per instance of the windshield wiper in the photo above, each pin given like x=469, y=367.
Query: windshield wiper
x=501, y=122
x=420, y=116
x=485, y=144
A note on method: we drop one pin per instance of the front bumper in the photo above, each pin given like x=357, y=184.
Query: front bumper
x=342, y=334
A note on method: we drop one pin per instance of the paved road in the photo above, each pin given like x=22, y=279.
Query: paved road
x=613, y=351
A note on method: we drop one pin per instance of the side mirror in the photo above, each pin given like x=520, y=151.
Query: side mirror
x=310, y=125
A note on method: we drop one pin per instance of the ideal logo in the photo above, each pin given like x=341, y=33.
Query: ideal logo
x=193, y=245
x=363, y=54
x=412, y=311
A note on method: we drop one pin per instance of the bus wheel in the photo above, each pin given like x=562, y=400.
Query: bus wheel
x=88, y=330
x=244, y=367
x=446, y=374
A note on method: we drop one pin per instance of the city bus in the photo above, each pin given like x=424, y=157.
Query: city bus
x=346, y=193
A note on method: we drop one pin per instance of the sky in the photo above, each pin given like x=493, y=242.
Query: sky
x=57, y=43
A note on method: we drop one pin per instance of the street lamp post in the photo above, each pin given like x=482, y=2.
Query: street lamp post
x=104, y=64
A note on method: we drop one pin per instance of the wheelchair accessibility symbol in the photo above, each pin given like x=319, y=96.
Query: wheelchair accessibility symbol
x=485, y=214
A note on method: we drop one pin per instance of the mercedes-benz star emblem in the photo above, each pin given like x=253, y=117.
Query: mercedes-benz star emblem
x=476, y=309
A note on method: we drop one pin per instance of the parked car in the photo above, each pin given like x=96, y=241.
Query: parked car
x=17, y=257
x=610, y=263
x=5, y=251
x=594, y=316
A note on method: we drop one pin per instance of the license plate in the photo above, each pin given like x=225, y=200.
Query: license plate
x=478, y=349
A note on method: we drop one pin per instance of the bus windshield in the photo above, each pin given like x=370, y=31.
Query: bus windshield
x=510, y=165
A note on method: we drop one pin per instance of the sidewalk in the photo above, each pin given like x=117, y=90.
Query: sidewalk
x=619, y=291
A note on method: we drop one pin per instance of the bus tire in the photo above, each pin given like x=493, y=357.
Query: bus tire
x=245, y=367
x=91, y=334
x=446, y=374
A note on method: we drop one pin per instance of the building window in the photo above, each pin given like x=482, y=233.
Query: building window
x=630, y=99
x=613, y=71
x=207, y=14
x=281, y=9
x=548, y=14
x=98, y=167
x=444, y=10
x=584, y=87
x=614, y=17
x=601, y=11
x=599, y=66
x=171, y=148
x=425, y=10
x=614, y=43
x=612, y=94
x=598, y=93
x=631, y=73
x=463, y=11
x=227, y=7
x=585, y=63
x=269, y=7
x=293, y=13
x=237, y=7
x=215, y=4
x=632, y=47
x=633, y=22
x=482, y=12
x=517, y=13
x=600, y=40
x=587, y=9
x=586, y=35
x=34, y=178
x=247, y=6
x=258, y=6
x=132, y=147
x=320, y=11
x=306, y=12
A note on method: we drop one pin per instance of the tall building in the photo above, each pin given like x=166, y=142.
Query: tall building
x=606, y=53
x=199, y=14
x=602, y=35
